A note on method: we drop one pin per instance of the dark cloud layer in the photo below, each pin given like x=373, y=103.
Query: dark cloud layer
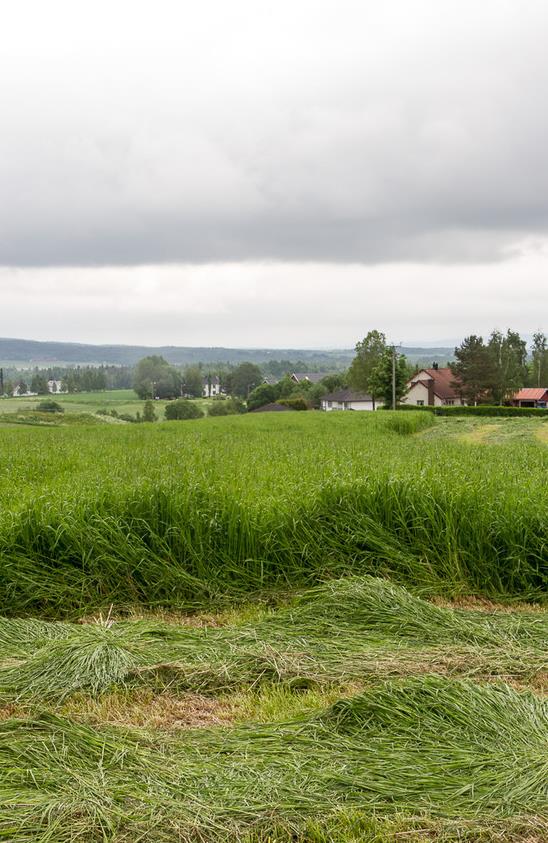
x=319, y=131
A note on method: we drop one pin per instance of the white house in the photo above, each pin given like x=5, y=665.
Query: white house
x=347, y=399
x=432, y=387
x=55, y=386
x=211, y=385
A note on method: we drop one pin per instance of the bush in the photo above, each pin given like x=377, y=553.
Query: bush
x=295, y=403
x=182, y=409
x=227, y=408
x=50, y=406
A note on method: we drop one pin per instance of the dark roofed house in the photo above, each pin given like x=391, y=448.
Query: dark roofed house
x=433, y=387
x=273, y=408
x=531, y=397
x=348, y=399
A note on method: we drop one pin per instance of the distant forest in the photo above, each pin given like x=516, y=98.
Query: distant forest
x=17, y=354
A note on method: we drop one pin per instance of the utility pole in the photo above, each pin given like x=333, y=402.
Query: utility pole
x=393, y=377
x=1, y=382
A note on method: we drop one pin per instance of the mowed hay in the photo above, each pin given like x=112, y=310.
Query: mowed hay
x=345, y=630
x=430, y=746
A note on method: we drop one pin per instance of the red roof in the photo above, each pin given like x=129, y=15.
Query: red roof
x=530, y=393
x=442, y=378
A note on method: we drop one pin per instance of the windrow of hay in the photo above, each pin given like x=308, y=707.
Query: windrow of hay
x=432, y=747
x=344, y=630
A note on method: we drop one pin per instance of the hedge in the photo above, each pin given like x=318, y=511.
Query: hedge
x=480, y=410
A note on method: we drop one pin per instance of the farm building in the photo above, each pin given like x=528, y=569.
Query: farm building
x=433, y=387
x=347, y=399
x=531, y=397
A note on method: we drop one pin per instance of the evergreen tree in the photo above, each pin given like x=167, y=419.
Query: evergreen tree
x=472, y=369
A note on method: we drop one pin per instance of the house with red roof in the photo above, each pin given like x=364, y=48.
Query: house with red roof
x=531, y=397
x=433, y=387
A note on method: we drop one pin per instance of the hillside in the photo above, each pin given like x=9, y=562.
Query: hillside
x=21, y=353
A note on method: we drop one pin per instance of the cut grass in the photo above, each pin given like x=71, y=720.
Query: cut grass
x=432, y=747
x=341, y=631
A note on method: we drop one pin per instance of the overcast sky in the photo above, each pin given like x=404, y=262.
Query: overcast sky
x=253, y=173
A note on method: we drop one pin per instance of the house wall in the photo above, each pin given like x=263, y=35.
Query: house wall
x=417, y=393
x=348, y=405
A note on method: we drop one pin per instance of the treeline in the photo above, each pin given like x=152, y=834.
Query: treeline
x=492, y=371
x=61, y=379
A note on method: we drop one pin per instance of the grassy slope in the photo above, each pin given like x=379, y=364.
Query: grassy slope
x=184, y=513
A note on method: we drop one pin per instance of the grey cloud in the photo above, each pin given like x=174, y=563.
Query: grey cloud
x=344, y=132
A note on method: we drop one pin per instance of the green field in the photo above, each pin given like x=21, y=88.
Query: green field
x=310, y=627
x=121, y=400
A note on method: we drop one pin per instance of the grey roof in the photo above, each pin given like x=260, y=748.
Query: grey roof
x=347, y=395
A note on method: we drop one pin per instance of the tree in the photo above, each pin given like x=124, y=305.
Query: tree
x=263, y=394
x=369, y=353
x=472, y=369
x=244, y=378
x=382, y=377
x=39, y=384
x=155, y=378
x=539, y=353
x=507, y=365
x=333, y=382
x=182, y=409
x=148, y=412
x=193, y=381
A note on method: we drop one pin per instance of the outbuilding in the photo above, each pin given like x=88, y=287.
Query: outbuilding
x=347, y=399
x=531, y=397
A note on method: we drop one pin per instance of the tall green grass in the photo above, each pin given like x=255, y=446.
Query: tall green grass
x=182, y=514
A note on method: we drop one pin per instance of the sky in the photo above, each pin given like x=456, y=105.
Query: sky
x=273, y=174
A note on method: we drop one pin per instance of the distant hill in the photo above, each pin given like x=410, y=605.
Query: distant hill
x=22, y=353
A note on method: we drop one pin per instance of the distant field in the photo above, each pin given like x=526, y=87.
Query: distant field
x=121, y=400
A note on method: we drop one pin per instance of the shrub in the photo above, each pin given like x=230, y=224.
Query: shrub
x=295, y=403
x=49, y=406
x=182, y=409
x=480, y=410
x=148, y=412
x=227, y=408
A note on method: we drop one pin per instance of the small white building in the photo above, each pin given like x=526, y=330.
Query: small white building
x=211, y=385
x=433, y=387
x=55, y=386
x=347, y=399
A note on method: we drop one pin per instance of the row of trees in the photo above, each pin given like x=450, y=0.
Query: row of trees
x=154, y=377
x=492, y=371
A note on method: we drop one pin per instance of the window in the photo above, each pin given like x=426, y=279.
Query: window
x=449, y=402
x=329, y=404
x=420, y=403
